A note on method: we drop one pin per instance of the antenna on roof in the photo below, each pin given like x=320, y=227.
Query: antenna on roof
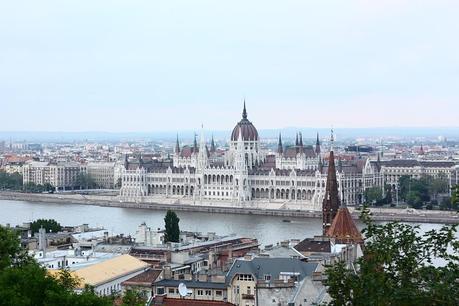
x=182, y=289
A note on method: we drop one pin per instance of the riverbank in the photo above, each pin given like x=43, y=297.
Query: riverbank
x=286, y=210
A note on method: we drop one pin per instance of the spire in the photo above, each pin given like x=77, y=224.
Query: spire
x=301, y=139
x=343, y=228
x=331, y=201
x=317, y=144
x=212, y=145
x=244, y=112
x=332, y=140
x=195, y=144
x=177, y=146
x=280, y=148
x=296, y=140
x=422, y=150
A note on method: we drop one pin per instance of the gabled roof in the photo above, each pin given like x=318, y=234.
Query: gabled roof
x=343, y=228
x=260, y=266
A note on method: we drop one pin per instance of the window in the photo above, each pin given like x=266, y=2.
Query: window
x=218, y=293
x=160, y=290
x=171, y=290
x=208, y=292
x=267, y=277
x=200, y=292
x=249, y=291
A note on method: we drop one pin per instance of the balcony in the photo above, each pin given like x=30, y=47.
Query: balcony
x=248, y=296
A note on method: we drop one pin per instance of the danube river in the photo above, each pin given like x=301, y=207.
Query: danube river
x=267, y=229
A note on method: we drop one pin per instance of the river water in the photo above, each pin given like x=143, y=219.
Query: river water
x=267, y=229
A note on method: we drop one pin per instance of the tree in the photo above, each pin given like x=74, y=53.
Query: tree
x=172, y=227
x=374, y=196
x=133, y=298
x=85, y=181
x=11, y=181
x=50, y=225
x=397, y=267
x=24, y=282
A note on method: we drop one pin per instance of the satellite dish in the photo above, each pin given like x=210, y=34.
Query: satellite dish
x=182, y=290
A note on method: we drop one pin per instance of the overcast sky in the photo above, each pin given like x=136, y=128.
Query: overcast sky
x=126, y=66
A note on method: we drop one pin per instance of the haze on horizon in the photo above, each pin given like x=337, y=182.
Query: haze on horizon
x=124, y=66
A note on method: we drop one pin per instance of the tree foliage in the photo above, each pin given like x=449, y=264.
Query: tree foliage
x=24, y=282
x=133, y=298
x=11, y=181
x=50, y=225
x=85, y=181
x=400, y=266
x=172, y=227
x=31, y=187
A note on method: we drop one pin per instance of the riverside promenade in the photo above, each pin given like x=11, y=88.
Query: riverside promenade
x=281, y=209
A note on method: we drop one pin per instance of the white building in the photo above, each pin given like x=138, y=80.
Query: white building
x=244, y=174
x=60, y=175
x=103, y=174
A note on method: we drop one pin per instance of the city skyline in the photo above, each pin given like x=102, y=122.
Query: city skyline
x=174, y=66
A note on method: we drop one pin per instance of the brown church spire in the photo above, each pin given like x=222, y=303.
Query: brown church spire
x=331, y=201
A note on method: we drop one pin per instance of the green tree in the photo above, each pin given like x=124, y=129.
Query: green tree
x=24, y=282
x=133, y=298
x=374, y=196
x=50, y=225
x=455, y=197
x=12, y=181
x=85, y=181
x=397, y=267
x=172, y=227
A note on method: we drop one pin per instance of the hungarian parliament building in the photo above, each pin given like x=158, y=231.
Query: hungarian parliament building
x=245, y=173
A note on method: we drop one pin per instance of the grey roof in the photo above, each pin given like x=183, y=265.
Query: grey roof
x=190, y=284
x=416, y=163
x=260, y=266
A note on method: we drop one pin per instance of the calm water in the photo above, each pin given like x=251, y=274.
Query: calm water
x=266, y=229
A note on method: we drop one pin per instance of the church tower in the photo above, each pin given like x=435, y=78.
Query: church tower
x=331, y=201
x=241, y=171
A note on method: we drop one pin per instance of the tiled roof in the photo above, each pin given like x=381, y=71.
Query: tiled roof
x=143, y=279
x=312, y=245
x=260, y=266
x=343, y=228
x=190, y=284
x=165, y=301
x=110, y=269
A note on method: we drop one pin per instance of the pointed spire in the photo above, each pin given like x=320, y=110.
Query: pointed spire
x=331, y=201
x=422, y=150
x=177, y=146
x=195, y=144
x=296, y=140
x=301, y=139
x=212, y=145
x=244, y=112
x=280, y=148
x=317, y=144
x=332, y=139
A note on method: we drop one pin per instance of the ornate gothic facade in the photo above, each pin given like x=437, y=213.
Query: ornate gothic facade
x=244, y=173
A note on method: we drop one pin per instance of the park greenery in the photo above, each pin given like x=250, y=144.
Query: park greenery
x=400, y=266
x=50, y=225
x=10, y=181
x=171, y=221
x=85, y=181
x=375, y=196
x=417, y=192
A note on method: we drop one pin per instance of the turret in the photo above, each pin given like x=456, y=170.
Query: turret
x=212, y=145
x=317, y=145
x=280, y=148
x=331, y=202
x=177, y=146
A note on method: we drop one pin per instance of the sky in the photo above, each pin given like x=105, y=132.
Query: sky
x=127, y=66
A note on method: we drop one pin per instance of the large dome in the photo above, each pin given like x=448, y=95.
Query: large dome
x=249, y=132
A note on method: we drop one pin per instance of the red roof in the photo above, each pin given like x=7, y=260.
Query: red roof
x=164, y=301
x=343, y=228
